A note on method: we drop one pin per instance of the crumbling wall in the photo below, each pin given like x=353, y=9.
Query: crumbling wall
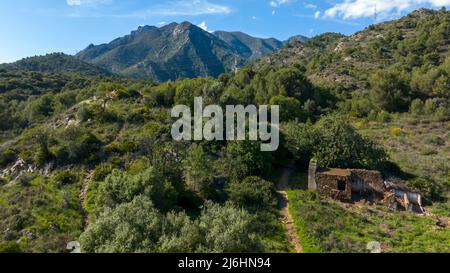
x=368, y=183
x=312, y=171
x=355, y=184
x=328, y=185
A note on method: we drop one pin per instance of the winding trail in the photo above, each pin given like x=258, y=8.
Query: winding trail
x=284, y=207
x=83, y=196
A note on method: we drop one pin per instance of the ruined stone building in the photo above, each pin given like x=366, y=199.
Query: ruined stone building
x=352, y=185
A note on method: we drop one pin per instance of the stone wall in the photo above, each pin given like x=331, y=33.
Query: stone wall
x=368, y=183
x=331, y=185
x=312, y=171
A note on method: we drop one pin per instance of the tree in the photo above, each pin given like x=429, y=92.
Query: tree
x=442, y=86
x=253, y=193
x=416, y=107
x=122, y=187
x=42, y=154
x=244, y=158
x=429, y=107
x=390, y=90
x=128, y=228
x=335, y=143
x=290, y=108
x=226, y=229
x=137, y=227
x=301, y=139
x=40, y=108
x=198, y=171
x=288, y=82
x=187, y=90
x=341, y=146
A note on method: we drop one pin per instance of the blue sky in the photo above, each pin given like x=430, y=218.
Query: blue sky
x=30, y=27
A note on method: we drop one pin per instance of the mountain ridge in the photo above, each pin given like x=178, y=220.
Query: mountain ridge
x=56, y=63
x=178, y=50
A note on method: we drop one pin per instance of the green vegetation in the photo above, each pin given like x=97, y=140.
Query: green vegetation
x=56, y=63
x=335, y=143
x=218, y=229
x=328, y=226
x=88, y=157
x=418, y=146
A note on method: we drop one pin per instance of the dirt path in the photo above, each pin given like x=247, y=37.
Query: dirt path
x=284, y=206
x=83, y=196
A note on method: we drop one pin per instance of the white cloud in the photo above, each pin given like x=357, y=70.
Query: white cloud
x=277, y=3
x=353, y=9
x=310, y=6
x=317, y=15
x=87, y=2
x=73, y=2
x=203, y=26
x=182, y=8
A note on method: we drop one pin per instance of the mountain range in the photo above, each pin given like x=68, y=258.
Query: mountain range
x=166, y=53
x=177, y=51
x=184, y=50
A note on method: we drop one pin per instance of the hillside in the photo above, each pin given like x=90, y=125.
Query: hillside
x=300, y=38
x=91, y=158
x=56, y=63
x=418, y=40
x=250, y=48
x=177, y=51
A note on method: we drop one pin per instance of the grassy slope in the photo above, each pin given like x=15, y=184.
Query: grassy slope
x=420, y=148
x=327, y=226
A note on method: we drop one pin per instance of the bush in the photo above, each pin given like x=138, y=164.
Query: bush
x=198, y=171
x=396, y=131
x=428, y=188
x=384, y=117
x=25, y=179
x=416, y=107
x=121, y=187
x=442, y=114
x=390, y=90
x=10, y=247
x=64, y=178
x=6, y=157
x=81, y=149
x=290, y=108
x=244, y=158
x=137, y=227
x=429, y=107
x=102, y=171
x=340, y=145
x=253, y=193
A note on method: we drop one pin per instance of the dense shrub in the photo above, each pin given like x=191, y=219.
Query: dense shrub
x=7, y=156
x=138, y=227
x=390, y=90
x=253, y=193
x=121, y=187
x=335, y=143
x=244, y=158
